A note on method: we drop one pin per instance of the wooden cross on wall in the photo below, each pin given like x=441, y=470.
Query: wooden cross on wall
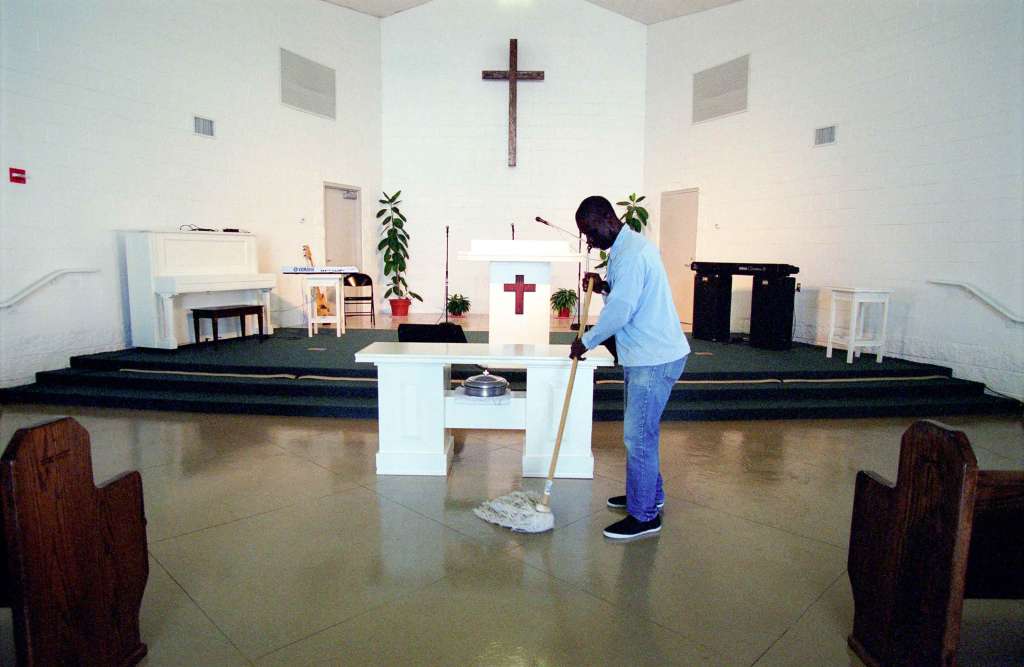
x=512, y=75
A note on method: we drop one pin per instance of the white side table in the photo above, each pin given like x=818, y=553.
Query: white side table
x=852, y=298
x=324, y=281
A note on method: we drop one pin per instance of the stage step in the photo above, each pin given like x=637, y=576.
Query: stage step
x=810, y=408
x=199, y=401
x=721, y=381
x=791, y=390
x=365, y=388
x=357, y=398
x=185, y=383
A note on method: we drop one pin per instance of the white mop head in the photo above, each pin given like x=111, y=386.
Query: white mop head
x=520, y=510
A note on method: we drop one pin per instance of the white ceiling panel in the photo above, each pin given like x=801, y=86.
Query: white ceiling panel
x=644, y=11
x=379, y=8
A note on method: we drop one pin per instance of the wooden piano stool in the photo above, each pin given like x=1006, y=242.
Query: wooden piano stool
x=239, y=311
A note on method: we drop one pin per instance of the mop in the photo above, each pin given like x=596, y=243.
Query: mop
x=525, y=511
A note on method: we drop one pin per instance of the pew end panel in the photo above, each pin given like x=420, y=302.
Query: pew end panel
x=76, y=557
x=908, y=551
x=995, y=567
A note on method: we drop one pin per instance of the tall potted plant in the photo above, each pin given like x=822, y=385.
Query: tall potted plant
x=394, y=243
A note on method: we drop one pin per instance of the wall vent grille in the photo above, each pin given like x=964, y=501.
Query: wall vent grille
x=203, y=126
x=307, y=85
x=824, y=136
x=721, y=90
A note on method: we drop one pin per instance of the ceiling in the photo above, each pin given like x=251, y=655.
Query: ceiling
x=644, y=11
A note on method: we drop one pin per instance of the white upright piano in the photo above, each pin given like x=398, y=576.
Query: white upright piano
x=169, y=273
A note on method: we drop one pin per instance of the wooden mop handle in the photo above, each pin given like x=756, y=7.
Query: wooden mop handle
x=568, y=396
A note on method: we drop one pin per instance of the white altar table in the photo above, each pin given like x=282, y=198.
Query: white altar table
x=417, y=406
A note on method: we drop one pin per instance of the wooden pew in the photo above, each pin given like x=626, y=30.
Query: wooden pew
x=75, y=563
x=944, y=532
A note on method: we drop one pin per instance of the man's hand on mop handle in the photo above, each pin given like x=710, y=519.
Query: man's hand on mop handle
x=591, y=281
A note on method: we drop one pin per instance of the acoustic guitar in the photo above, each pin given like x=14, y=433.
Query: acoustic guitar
x=322, y=307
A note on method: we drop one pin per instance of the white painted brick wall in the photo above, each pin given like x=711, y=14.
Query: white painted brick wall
x=98, y=99
x=924, y=182
x=445, y=130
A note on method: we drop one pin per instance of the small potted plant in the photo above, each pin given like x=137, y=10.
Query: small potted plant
x=458, y=305
x=563, y=301
x=395, y=245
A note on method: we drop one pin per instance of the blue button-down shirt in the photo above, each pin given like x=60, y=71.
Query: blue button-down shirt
x=638, y=309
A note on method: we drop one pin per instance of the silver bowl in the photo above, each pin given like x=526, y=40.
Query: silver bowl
x=485, y=385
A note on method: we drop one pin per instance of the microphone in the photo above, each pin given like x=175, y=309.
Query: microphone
x=561, y=229
x=446, y=274
x=579, y=265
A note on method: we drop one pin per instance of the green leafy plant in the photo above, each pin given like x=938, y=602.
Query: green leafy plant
x=395, y=245
x=563, y=299
x=458, y=305
x=635, y=216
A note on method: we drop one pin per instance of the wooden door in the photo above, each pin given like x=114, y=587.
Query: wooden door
x=678, y=243
x=342, y=227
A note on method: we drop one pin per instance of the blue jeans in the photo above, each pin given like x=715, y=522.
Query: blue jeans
x=647, y=389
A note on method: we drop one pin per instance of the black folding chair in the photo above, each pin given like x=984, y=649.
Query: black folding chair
x=359, y=280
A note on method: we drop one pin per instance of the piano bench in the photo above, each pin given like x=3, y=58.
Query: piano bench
x=213, y=314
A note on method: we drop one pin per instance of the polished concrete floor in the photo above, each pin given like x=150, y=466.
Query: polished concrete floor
x=273, y=542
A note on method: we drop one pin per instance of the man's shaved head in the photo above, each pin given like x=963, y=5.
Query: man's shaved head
x=596, y=219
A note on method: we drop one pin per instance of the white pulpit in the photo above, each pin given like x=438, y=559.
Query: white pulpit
x=520, y=287
x=417, y=408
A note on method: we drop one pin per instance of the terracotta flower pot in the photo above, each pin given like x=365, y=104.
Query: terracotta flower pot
x=400, y=307
x=563, y=313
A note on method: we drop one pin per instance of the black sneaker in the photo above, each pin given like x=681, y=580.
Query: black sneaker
x=629, y=528
x=619, y=503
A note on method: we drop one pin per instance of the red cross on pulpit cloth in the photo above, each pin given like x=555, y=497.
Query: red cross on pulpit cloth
x=520, y=287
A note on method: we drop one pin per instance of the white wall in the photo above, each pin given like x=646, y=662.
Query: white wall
x=98, y=98
x=580, y=131
x=924, y=182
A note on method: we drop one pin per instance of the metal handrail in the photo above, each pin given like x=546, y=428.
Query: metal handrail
x=988, y=300
x=33, y=286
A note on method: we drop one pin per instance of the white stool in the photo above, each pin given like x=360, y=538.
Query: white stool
x=309, y=284
x=854, y=297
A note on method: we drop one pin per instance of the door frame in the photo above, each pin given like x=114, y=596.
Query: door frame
x=661, y=218
x=359, y=216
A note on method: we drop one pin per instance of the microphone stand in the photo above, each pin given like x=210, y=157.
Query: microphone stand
x=445, y=306
x=579, y=267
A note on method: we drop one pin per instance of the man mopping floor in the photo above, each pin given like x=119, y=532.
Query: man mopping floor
x=640, y=313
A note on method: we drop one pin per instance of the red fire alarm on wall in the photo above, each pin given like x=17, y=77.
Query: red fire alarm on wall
x=17, y=175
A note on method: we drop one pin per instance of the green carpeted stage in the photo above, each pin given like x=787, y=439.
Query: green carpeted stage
x=292, y=374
